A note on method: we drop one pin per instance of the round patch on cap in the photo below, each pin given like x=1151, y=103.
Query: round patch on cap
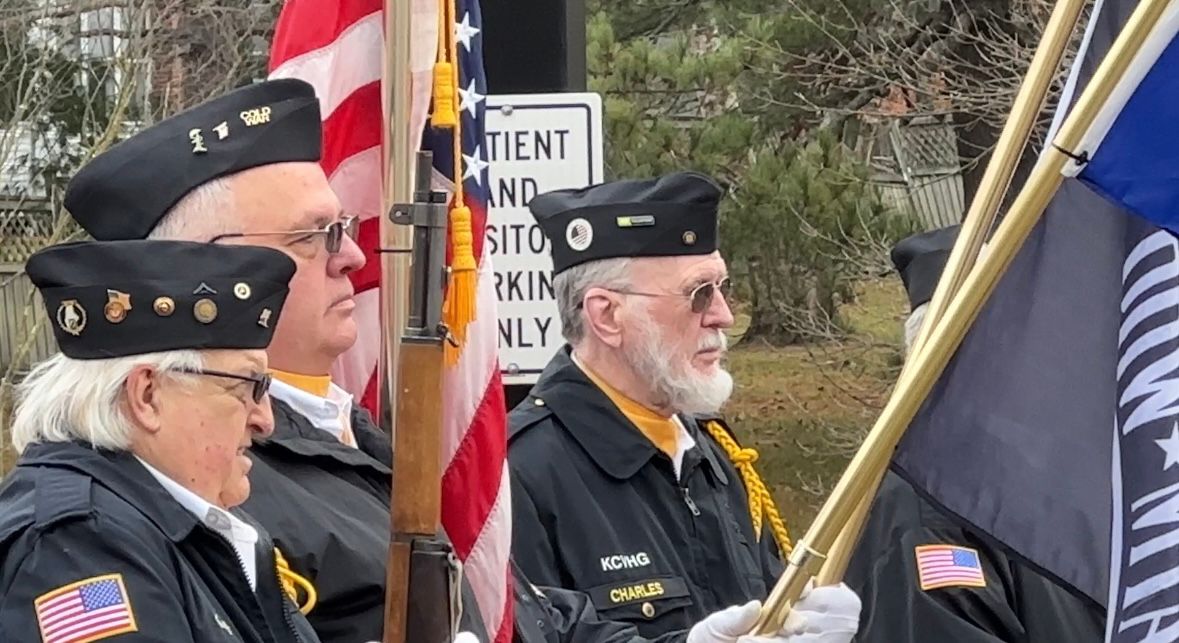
x=205, y=311
x=241, y=290
x=689, y=238
x=579, y=234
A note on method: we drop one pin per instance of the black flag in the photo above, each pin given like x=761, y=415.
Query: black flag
x=1017, y=437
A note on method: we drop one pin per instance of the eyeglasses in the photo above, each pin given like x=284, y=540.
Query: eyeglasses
x=333, y=232
x=261, y=382
x=701, y=296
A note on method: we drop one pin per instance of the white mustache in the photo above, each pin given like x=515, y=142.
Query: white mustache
x=714, y=342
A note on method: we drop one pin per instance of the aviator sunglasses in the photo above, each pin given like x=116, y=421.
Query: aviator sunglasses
x=700, y=296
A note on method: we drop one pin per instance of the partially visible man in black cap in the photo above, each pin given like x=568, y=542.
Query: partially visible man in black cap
x=118, y=520
x=925, y=575
x=626, y=484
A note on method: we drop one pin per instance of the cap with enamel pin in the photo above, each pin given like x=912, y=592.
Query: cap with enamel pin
x=124, y=192
x=666, y=216
x=115, y=298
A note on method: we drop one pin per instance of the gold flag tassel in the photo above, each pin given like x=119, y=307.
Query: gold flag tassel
x=458, y=310
x=291, y=583
x=761, y=503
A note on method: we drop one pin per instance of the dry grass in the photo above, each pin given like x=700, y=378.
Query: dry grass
x=806, y=408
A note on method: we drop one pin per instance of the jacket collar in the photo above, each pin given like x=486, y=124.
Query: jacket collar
x=122, y=474
x=612, y=441
x=295, y=433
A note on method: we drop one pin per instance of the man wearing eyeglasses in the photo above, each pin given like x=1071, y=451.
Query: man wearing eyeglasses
x=119, y=519
x=219, y=173
x=623, y=478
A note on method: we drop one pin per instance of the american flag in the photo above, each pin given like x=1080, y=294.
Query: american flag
x=87, y=610
x=949, y=566
x=337, y=46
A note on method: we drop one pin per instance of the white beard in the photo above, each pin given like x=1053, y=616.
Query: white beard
x=684, y=390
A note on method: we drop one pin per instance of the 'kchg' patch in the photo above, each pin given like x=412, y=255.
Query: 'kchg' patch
x=91, y=609
x=949, y=566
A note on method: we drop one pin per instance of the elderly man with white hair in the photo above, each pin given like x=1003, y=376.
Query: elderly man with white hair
x=627, y=484
x=118, y=520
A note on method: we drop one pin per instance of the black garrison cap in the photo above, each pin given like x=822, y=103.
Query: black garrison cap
x=118, y=298
x=124, y=192
x=920, y=260
x=666, y=216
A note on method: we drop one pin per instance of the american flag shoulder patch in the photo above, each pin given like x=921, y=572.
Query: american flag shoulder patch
x=948, y=566
x=88, y=610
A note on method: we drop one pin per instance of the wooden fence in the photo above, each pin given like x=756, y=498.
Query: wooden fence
x=25, y=335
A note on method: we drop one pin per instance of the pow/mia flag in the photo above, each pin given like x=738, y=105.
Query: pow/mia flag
x=1144, y=577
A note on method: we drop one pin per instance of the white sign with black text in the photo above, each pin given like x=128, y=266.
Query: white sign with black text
x=535, y=143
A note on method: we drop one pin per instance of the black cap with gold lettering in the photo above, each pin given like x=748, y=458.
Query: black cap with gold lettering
x=671, y=215
x=116, y=298
x=124, y=192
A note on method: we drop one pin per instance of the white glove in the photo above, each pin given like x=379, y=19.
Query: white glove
x=822, y=615
x=726, y=625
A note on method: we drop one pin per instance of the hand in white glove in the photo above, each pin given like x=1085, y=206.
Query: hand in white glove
x=821, y=615
x=726, y=625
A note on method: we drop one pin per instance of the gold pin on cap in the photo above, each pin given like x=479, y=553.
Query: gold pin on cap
x=117, y=305
x=164, y=306
x=689, y=238
x=205, y=311
x=241, y=290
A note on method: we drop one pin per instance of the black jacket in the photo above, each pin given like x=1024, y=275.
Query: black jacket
x=1017, y=605
x=597, y=508
x=96, y=520
x=326, y=504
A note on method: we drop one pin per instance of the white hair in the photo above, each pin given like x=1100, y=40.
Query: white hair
x=200, y=215
x=913, y=326
x=571, y=285
x=65, y=399
x=674, y=383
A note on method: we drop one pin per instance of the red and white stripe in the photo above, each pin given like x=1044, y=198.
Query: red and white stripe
x=337, y=46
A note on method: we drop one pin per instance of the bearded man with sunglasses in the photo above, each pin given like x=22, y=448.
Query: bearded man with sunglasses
x=626, y=484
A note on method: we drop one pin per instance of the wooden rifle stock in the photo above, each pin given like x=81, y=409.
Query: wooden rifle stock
x=422, y=570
